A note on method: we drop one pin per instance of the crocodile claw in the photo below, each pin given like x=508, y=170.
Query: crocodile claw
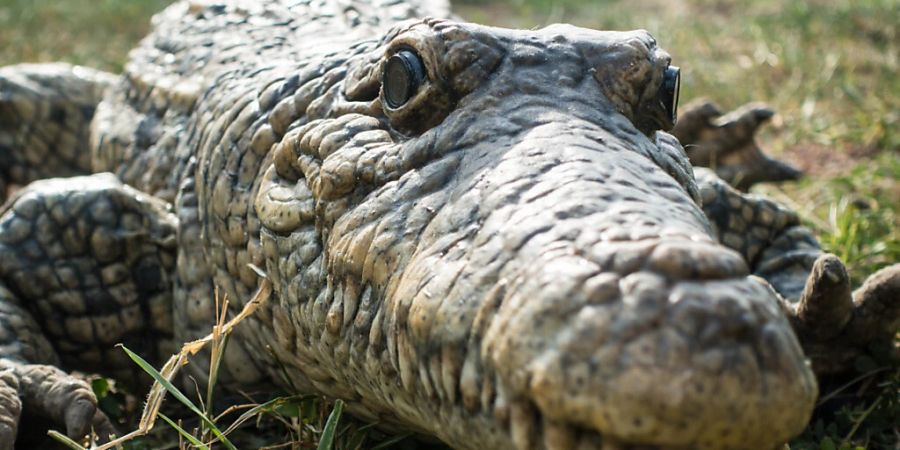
x=835, y=326
x=47, y=391
x=826, y=304
x=725, y=143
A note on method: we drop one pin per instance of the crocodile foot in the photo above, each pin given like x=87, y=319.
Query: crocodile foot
x=726, y=143
x=46, y=391
x=836, y=326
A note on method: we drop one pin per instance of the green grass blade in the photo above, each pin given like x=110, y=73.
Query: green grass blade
x=326, y=441
x=190, y=438
x=178, y=395
x=59, y=437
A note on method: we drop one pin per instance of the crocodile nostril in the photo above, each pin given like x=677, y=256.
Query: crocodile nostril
x=669, y=90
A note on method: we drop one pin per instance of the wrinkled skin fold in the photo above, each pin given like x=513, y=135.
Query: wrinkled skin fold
x=516, y=257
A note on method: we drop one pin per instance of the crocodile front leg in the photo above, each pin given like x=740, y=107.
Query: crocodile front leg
x=727, y=143
x=29, y=376
x=834, y=324
x=85, y=264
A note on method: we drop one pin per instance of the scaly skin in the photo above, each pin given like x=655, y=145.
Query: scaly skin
x=514, y=258
x=45, y=113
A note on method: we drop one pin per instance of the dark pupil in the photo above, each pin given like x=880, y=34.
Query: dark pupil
x=402, y=76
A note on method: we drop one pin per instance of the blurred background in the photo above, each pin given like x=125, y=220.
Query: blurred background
x=830, y=68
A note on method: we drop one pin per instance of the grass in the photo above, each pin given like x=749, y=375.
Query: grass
x=827, y=66
x=98, y=33
x=301, y=420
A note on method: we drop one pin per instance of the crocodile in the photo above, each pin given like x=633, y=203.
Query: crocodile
x=726, y=143
x=478, y=234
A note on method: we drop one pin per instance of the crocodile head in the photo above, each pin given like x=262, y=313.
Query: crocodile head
x=504, y=237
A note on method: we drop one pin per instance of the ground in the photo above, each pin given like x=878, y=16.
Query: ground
x=827, y=66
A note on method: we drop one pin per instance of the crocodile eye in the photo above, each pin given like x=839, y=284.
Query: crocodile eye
x=668, y=92
x=403, y=75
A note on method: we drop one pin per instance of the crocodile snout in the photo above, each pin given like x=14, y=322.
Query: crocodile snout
x=658, y=357
x=619, y=313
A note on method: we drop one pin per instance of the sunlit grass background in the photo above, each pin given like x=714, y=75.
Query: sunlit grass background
x=829, y=67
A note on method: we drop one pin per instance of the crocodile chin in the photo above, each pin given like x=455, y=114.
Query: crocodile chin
x=518, y=243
